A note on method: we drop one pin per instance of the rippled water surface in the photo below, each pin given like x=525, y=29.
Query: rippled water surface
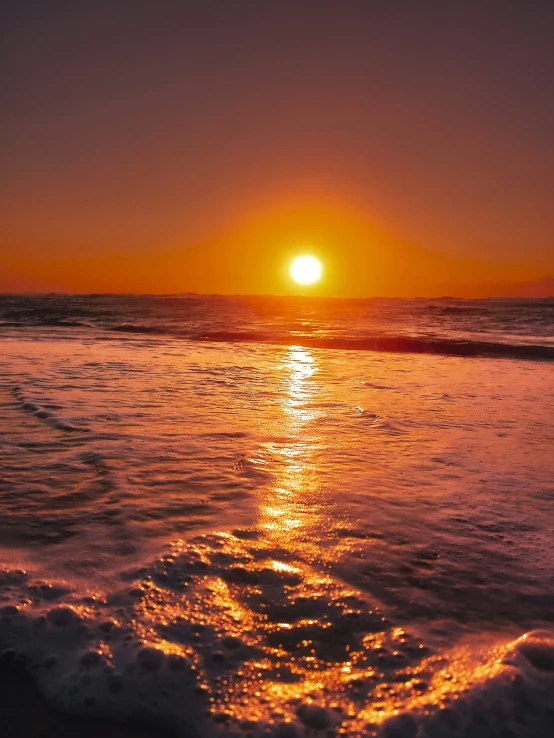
x=211, y=516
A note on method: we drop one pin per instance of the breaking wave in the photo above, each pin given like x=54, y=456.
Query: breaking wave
x=227, y=636
x=394, y=344
x=516, y=329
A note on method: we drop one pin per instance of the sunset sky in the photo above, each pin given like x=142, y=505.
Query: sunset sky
x=166, y=146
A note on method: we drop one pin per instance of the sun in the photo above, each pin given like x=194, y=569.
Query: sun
x=306, y=269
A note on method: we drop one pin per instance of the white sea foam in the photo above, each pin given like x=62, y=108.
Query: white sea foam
x=223, y=635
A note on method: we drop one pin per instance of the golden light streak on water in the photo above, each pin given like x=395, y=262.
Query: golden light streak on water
x=303, y=637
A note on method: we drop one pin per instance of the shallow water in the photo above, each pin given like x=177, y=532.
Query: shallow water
x=238, y=536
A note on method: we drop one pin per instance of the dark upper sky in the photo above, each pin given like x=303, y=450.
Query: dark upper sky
x=132, y=126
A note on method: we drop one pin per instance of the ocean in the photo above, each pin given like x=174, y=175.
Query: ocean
x=285, y=517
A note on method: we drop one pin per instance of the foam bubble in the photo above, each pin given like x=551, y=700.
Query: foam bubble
x=255, y=645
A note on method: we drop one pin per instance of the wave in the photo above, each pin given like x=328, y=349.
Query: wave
x=40, y=412
x=223, y=636
x=146, y=329
x=393, y=344
x=457, y=309
x=379, y=343
x=346, y=324
x=43, y=323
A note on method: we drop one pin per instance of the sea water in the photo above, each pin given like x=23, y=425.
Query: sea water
x=285, y=517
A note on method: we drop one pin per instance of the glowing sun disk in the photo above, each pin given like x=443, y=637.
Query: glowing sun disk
x=306, y=269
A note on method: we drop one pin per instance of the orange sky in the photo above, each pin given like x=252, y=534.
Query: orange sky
x=253, y=257
x=197, y=147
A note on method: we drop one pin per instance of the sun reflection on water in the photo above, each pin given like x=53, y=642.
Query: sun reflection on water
x=290, y=511
x=267, y=631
